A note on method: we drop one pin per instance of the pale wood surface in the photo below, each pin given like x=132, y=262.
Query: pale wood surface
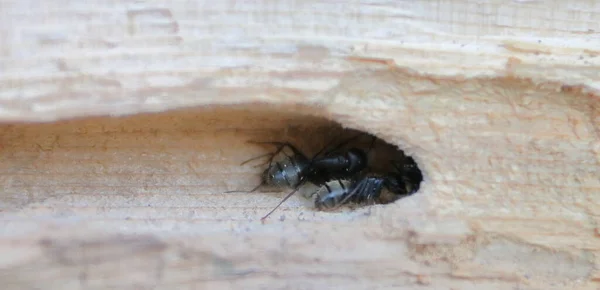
x=497, y=101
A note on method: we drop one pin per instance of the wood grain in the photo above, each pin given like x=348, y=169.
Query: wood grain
x=497, y=102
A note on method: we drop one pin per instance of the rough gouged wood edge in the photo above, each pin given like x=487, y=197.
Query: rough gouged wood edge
x=496, y=101
x=113, y=57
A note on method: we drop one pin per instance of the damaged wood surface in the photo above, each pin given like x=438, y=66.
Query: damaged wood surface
x=496, y=101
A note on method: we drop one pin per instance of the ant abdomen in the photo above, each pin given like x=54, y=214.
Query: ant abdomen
x=365, y=190
x=331, y=194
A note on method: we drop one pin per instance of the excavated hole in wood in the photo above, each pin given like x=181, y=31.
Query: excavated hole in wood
x=312, y=135
x=179, y=163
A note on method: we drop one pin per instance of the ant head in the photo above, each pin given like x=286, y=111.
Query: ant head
x=275, y=177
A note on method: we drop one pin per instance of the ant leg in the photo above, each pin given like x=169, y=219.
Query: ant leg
x=269, y=161
x=326, y=145
x=272, y=154
x=280, y=203
x=341, y=144
x=366, y=185
x=280, y=147
x=316, y=191
x=374, y=190
x=357, y=189
x=372, y=144
x=341, y=185
x=257, y=157
x=251, y=191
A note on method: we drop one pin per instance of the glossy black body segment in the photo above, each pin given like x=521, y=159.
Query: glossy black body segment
x=404, y=180
x=337, y=165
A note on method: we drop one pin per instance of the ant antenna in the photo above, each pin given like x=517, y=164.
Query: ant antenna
x=257, y=157
x=251, y=191
x=342, y=143
x=280, y=203
x=324, y=147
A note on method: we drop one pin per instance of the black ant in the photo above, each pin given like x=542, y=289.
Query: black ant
x=404, y=180
x=293, y=170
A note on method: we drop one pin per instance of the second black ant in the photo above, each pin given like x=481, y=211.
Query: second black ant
x=404, y=180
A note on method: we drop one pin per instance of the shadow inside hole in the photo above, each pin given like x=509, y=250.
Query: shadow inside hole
x=303, y=164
